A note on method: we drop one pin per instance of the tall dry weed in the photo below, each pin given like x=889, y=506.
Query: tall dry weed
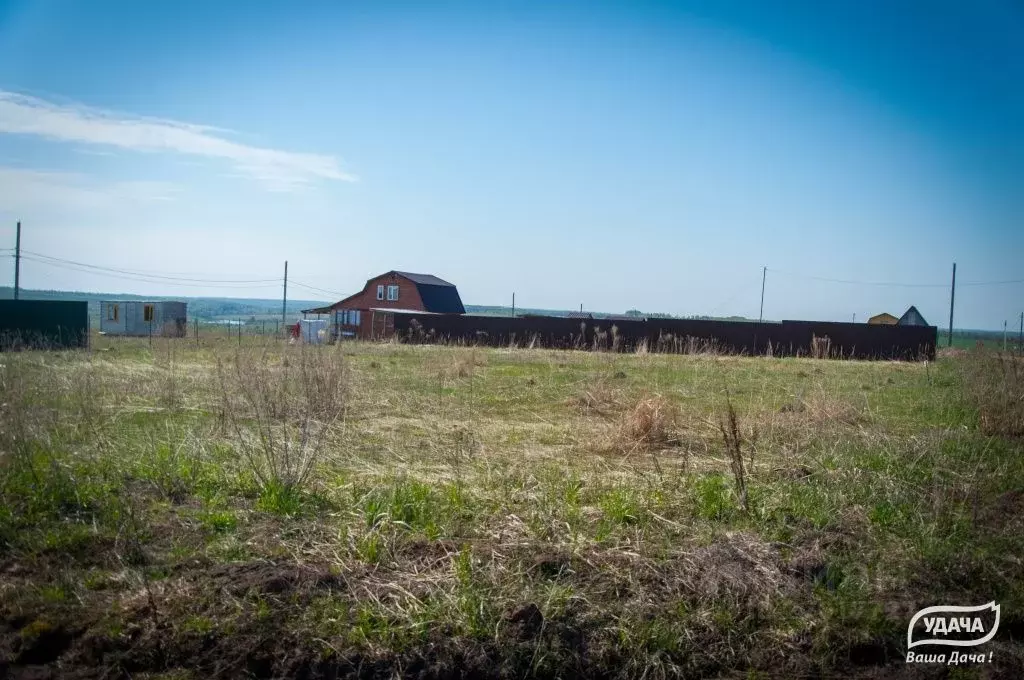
x=280, y=410
x=729, y=426
x=994, y=384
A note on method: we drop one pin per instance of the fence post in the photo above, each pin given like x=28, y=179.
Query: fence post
x=150, y=333
x=239, y=332
x=197, y=332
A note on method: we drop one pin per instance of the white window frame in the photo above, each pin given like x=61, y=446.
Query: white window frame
x=380, y=291
x=348, y=317
x=393, y=298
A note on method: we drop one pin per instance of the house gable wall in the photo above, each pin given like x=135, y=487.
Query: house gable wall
x=408, y=295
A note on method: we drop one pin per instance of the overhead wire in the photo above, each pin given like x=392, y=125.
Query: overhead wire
x=894, y=284
x=151, y=275
x=146, y=279
x=314, y=288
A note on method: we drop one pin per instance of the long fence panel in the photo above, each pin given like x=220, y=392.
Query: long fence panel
x=43, y=324
x=788, y=338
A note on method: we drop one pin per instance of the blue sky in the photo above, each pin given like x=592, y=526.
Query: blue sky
x=619, y=155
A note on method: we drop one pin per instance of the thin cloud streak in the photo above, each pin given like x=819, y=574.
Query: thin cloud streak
x=34, y=192
x=276, y=170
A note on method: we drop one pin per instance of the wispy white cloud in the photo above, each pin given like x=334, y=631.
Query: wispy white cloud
x=276, y=170
x=33, y=192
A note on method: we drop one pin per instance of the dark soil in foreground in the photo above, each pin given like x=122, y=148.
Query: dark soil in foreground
x=151, y=635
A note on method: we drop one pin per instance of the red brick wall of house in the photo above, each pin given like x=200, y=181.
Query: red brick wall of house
x=408, y=298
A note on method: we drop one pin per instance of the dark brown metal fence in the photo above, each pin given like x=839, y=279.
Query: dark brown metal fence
x=788, y=338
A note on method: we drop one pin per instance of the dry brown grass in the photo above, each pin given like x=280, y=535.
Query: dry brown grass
x=462, y=365
x=821, y=347
x=820, y=407
x=994, y=382
x=650, y=423
x=598, y=397
x=741, y=568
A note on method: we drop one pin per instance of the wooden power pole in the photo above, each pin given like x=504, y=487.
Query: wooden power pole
x=284, y=300
x=17, y=261
x=764, y=275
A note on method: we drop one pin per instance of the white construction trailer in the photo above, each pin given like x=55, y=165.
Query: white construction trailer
x=313, y=331
x=142, y=317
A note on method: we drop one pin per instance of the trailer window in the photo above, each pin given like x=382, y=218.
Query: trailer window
x=147, y=313
x=111, y=312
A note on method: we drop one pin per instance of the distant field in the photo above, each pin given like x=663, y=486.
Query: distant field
x=380, y=510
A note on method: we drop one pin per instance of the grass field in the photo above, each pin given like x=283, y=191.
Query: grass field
x=393, y=510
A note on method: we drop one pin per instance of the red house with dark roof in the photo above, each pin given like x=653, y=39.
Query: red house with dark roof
x=365, y=314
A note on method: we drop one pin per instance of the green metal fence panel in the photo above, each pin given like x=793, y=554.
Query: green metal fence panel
x=43, y=324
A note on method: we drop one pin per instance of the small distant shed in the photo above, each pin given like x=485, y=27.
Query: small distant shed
x=143, y=317
x=883, y=319
x=912, y=317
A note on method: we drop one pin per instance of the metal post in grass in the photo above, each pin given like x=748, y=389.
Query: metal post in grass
x=151, y=333
x=952, y=297
x=239, y=332
x=196, y=324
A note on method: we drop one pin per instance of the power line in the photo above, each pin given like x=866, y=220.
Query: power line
x=740, y=289
x=144, y=273
x=894, y=283
x=319, y=290
x=143, y=279
x=991, y=283
x=860, y=283
x=147, y=277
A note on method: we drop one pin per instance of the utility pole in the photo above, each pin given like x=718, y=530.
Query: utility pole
x=764, y=275
x=952, y=297
x=17, y=261
x=284, y=301
x=1004, y=335
x=855, y=317
x=581, y=308
x=513, y=305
